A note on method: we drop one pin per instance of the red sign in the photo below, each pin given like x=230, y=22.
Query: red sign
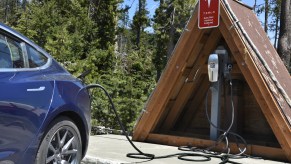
x=209, y=11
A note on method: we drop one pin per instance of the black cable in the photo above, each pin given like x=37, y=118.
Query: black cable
x=224, y=136
x=181, y=156
x=140, y=154
x=147, y=156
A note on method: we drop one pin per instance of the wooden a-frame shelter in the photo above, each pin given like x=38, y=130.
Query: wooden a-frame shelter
x=174, y=113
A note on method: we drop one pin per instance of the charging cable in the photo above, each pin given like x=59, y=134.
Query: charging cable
x=226, y=133
x=182, y=156
x=140, y=154
x=148, y=156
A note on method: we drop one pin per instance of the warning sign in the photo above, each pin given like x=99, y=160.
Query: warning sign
x=209, y=11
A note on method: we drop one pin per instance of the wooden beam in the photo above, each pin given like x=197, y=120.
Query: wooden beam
x=247, y=63
x=255, y=150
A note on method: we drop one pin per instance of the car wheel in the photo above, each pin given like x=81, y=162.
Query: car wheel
x=61, y=144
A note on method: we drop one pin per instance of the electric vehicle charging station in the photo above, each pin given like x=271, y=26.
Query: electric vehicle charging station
x=218, y=71
x=175, y=112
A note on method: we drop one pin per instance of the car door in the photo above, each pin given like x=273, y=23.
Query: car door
x=25, y=95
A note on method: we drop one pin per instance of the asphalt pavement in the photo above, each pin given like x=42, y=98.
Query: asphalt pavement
x=112, y=149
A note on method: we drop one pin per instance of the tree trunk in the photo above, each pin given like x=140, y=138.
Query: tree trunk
x=255, y=5
x=24, y=2
x=284, y=45
x=276, y=32
x=6, y=11
x=139, y=24
x=171, y=36
x=266, y=15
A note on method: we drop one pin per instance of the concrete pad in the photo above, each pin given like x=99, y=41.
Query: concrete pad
x=112, y=149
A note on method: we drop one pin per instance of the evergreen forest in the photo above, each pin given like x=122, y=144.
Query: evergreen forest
x=99, y=35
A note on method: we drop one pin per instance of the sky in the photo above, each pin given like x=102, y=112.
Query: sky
x=251, y=2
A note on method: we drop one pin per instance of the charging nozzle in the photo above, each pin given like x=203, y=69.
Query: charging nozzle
x=213, y=67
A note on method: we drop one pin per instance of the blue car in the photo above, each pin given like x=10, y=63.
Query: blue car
x=44, y=110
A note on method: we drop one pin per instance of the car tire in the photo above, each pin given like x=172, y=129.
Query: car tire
x=60, y=144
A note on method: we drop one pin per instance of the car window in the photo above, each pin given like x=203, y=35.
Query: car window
x=35, y=58
x=11, y=55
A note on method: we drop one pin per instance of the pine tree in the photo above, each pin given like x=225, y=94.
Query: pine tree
x=9, y=10
x=169, y=21
x=61, y=27
x=140, y=21
x=123, y=37
x=275, y=10
x=105, y=14
x=271, y=11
